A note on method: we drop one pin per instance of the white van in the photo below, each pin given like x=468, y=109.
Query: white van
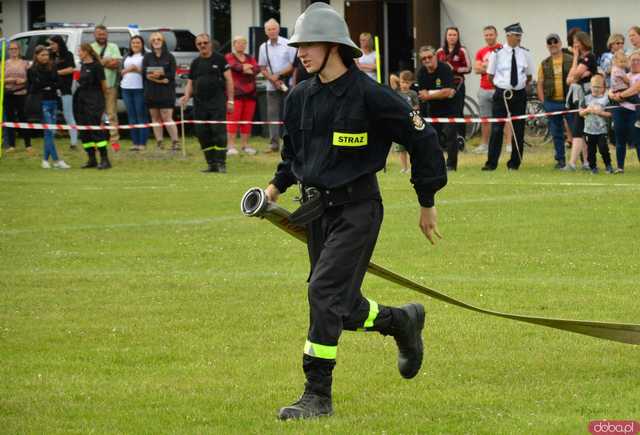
x=180, y=42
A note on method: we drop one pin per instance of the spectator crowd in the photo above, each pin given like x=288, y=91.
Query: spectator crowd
x=603, y=93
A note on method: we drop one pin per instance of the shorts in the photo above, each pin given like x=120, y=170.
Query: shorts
x=399, y=148
x=485, y=102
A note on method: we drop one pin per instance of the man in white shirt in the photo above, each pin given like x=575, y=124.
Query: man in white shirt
x=510, y=70
x=276, y=64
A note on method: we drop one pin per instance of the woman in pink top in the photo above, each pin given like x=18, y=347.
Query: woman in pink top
x=456, y=56
x=15, y=95
x=624, y=117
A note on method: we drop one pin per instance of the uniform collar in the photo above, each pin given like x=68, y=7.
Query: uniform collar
x=338, y=86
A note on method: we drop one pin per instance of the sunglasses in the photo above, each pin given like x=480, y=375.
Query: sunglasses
x=552, y=41
x=423, y=58
x=202, y=43
x=617, y=43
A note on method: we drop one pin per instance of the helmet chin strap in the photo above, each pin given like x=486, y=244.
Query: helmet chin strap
x=326, y=57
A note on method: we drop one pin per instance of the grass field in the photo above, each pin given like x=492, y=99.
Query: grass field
x=139, y=301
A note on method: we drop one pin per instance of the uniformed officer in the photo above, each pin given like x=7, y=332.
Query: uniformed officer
x=209, y=76
x=339, y=126
x=89, y=105
x=510, y=70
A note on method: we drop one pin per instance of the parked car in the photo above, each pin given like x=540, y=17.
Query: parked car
x=180, y=42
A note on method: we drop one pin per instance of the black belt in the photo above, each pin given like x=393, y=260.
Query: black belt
x=315, y=200
x=512, y=90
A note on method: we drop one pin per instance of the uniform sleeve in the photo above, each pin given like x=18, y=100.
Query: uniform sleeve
x=493, y=63
x=530, y=66
x=479, y=54
x=441, y=55
x=284, y=178
x=406, y=127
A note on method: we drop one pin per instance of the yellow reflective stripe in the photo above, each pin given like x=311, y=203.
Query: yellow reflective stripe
x=320, y=350
x=350, y=139
x=101, y=144
x=373, y=313
x=88, y=145
x=215, y=148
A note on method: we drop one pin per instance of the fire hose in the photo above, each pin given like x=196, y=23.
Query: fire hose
x=256, y=204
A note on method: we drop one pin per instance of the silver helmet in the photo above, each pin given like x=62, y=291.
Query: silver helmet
x=321, y=23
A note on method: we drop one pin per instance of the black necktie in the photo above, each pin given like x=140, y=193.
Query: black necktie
x=514, y=69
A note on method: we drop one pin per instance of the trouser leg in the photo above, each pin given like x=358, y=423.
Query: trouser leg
x=274, y=101
x=341, y=243
x=603, y=147
x=517, y=106
x=460, y=129
x=556, y=128
x=592, y=145
x=497, y=130
x=111, y=101
x=212, y=137
x=67, y=110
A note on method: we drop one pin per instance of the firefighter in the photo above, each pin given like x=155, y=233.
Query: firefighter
x=339, y=126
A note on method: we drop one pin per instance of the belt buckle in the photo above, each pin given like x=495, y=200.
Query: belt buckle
x=310, y=193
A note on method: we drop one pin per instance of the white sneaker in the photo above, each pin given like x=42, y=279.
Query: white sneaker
x=45, y=165
x=481, y=149
x=61, y=164
x=232, y=152
x=508, y=149
x=249, y=150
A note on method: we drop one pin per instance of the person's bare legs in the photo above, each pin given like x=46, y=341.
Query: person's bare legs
x=485, y=132
x=167, y=116
x=507, y=135
x=404, y=161
x=157, y=130
x=231, y=141
x=577, y=146
x=244, y=140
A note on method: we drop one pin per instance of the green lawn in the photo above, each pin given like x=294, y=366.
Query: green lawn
x=139, y=301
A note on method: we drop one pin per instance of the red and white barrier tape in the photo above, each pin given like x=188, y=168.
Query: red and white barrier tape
x=40, y=126
x=436, y=120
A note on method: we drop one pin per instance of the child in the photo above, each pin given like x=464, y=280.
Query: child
x=620, y=80
x=595, y=123
x=411, y=97
x=43, y=85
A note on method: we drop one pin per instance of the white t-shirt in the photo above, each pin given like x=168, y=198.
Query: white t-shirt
x=132, y=80
x=369, y=59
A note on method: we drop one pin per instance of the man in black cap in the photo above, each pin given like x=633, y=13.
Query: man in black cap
x=510, y=70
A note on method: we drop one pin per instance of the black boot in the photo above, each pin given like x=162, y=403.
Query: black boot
x=91, y=163
x=406, y=329
x=309, y=405
x=316, y=399
x=104, y=159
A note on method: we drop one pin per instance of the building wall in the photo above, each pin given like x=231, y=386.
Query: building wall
x=12, y=17
x=538, y=19
x=246, y=13
x=165, y=13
